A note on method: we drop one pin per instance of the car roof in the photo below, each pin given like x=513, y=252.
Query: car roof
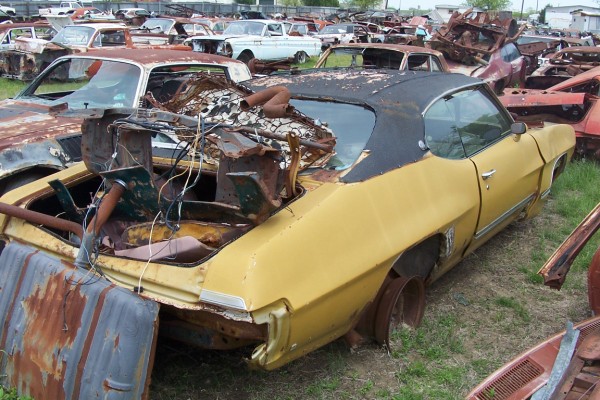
x=389, y=46
x=39, y=24
x=154, y=56
x=398, y=98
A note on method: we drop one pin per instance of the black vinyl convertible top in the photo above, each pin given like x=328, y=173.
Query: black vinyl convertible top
x=397, y=98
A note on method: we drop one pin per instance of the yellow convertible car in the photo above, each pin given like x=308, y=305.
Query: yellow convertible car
x=296, y=209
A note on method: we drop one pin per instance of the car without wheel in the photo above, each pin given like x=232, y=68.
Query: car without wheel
x=379, y=55
x=306, y=208
x=265, y=40
x=35, y=141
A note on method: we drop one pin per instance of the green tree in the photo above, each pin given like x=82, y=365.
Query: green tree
x=489, y=4
x=291, y=3
x=365, y=4
x=250, y=2
x=542, y=19
x=321, y=3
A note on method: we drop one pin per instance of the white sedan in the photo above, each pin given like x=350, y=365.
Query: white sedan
x=266, y=40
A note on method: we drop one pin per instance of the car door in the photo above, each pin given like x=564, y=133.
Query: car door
x=508, y=165
x=511, y=54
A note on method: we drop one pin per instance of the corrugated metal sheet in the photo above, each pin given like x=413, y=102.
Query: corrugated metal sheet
x=69, y=334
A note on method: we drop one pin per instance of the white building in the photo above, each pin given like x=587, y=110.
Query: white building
x=586, y=21
x=445, y=11
x=561, y=17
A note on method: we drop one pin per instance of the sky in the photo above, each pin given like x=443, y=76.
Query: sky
x=516, y=4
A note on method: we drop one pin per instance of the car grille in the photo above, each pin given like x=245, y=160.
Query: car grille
x=514, y=379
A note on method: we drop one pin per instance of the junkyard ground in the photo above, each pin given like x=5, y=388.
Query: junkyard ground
x=488, y=309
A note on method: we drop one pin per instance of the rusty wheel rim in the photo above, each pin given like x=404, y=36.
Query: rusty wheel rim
x=402, y=303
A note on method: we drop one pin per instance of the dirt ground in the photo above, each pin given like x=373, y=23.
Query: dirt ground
x=489, y=335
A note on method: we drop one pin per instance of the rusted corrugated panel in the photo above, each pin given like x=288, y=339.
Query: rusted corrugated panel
x=537, y=98
x=69, y=334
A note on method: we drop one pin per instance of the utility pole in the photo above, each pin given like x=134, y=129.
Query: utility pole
x=522, y=4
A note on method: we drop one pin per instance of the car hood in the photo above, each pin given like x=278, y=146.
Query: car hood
x=216, y=38
x=24, y=122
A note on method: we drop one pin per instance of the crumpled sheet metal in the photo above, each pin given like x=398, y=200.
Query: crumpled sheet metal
x=66, y=338
x=218, y=102
x=459, y=38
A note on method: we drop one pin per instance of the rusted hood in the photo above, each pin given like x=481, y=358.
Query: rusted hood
x=537, y=98
x=23, y=122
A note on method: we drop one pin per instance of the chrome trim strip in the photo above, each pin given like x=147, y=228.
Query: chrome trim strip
x=546, y=193
x=501, y=218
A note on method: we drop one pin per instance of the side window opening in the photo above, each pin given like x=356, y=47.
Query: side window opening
x=464, y=123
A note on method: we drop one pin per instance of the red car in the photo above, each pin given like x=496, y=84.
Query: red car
x=573, y=101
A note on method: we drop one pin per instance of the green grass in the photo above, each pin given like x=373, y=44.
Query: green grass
x=11, y=394
x=10, y=87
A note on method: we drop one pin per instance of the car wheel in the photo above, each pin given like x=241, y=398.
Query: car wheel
x=402, y=303
x=300, y=57
x=245, y=57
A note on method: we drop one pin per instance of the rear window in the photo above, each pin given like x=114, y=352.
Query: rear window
x=351, y=124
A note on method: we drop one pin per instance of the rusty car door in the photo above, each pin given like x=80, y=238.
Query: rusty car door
x=68, y=333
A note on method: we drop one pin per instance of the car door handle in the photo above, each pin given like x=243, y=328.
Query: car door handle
x=487, y=175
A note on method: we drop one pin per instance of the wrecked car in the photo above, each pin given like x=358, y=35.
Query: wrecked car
x=32, y=56
x=305, y=208
x=379, y=55
x=573, y=101
x=36, y=30
x=165, y=30
x=566, y=365
x=484, y=48
x=266, y=40
x=569, y=62
x=35, y=141
x=346, y=33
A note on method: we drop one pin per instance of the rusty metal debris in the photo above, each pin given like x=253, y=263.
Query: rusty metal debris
x=466, y=40
x=558, y=265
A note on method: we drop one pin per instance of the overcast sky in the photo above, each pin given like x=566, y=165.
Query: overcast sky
x=516, y=4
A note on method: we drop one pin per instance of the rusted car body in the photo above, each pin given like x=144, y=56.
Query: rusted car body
x=381, y=55
x=569, y=62
x=35, y=141
x=573, y=101
x=346, y=33
x=36, y=30
x=169, y=30
x=537, y=49
x=222, y=234
x=32, y=56
x=566, y=365
x=482, y=48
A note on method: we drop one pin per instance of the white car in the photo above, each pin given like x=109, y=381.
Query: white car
x=9, y=10
x=265, y=40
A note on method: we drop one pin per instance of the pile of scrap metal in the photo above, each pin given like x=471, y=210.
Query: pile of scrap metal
x=564, y=64
x=573, y=101
x=469, y=40
x=566, y=366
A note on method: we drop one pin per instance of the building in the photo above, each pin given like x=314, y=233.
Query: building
x=562, y=17
x=586, y=21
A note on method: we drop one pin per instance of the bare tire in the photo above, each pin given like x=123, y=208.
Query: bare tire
x=402, y=303
x=245, y=57
x=300, y=57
